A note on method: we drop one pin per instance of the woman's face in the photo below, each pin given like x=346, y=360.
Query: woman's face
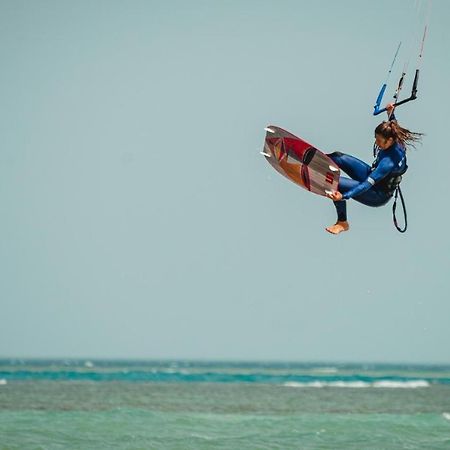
x=382, y=142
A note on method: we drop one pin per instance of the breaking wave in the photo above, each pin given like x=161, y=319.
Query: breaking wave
x=409, y=384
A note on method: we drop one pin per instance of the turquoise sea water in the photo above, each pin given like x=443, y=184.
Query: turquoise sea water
x=210, y=405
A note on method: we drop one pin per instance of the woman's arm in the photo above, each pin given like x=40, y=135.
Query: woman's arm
x=390, y=107
x=383, y=169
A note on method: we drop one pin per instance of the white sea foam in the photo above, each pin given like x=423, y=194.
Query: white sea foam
x=201, y=436
x=317, y=384
x=2, y=381
x=411, y=384
x=321, y=384
x=446, y=415
x=349, y=384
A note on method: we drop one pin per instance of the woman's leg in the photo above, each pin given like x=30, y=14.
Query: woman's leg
x=372, y=197
x=341, y=207
x=358, y=171
x=341, y=210
x=353, y=167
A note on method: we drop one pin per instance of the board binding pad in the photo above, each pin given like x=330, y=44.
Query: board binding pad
x=300, y=162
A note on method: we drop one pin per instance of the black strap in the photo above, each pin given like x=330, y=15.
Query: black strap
x=375, y=149
x=394, y=207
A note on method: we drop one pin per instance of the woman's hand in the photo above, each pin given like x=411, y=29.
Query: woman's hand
x=389, y=108
x=334, y=195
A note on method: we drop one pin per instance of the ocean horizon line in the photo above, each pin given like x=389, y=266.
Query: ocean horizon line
x=225, y=361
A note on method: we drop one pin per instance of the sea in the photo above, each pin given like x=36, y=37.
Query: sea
x=199, y=405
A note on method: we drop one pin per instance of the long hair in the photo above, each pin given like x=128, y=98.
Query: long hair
x=404, y=137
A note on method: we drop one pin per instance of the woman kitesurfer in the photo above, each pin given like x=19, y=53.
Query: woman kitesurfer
x=372, y=185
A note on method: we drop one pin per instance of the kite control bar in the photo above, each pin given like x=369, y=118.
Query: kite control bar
x=413, y=96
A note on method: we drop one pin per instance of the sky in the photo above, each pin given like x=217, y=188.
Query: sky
x=138, y=219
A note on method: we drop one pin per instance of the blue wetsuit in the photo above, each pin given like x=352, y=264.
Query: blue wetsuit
x=367, y=184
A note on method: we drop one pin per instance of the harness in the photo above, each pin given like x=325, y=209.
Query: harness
x=390, y=184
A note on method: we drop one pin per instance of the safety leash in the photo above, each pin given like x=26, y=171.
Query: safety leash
x=394, y=207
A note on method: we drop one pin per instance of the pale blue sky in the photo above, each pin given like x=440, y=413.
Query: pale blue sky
x=138, y=219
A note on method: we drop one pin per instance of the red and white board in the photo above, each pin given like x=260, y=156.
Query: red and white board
x=300, y=162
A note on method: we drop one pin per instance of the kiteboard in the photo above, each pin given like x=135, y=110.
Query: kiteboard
x=300, y=162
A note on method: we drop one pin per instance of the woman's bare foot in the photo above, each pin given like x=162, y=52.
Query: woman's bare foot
x=338, y=227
